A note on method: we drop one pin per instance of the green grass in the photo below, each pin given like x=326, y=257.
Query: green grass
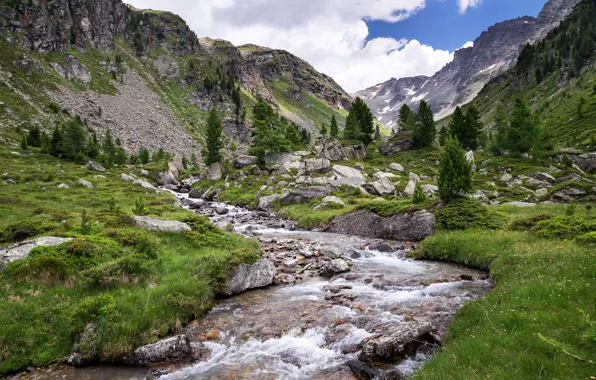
x=538, y=320
x=309, y=218
x=135, y=287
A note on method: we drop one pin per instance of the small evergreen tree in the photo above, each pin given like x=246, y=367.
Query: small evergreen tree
x=24, y=145
x=419, y=195
x=472, y=129
x=457, y=124
x=194, y=163
x=34, y=137
x=424, y=129
x=377, y=133
x=351, y=127
x=455, y=171
x=107, y=146
x=407, y=118
x=74, y=142
x=323, y=130
x=139, y=208
x=144, y=155
x=119, y=157
x=56, y=142
x=366, y=124
x=214, y=141
x=184, y=162
x=443, y=133
x=521, y=132
x=333, y=127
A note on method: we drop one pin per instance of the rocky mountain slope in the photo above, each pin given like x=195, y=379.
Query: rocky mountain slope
x=145, y=75
x=494, y=51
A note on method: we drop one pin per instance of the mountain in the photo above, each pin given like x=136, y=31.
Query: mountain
x=557, y=78
x=494, y=51
x=146, y=76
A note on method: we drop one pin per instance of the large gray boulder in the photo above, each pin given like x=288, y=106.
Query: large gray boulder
x=243, y=161
x=85, y=183
x=396, y=167
x=144, y=184
x=92, y=165
x=170, y=350
x=345, y=175
x=400, y=142
x=382, y=186
x=21, y=250
x=408, y=226
x=249, y=276
x=397, y=342
x=160, y=225
x=304, y=195
x=545, y=177
x=335, y=151
x=334, y=267
x=280, y=159
x=265, y=202
x=215, y=171
x=315, y=165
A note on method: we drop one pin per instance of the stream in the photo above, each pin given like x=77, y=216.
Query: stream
x=308, y=326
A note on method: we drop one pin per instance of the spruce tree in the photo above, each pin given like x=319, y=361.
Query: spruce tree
x=377, y=133
x=424, y=129
x=443, y=133
x=366, y=122
x=521, y=131
x=194, y=163
x=472, y=129
x=214, y=138
x=270, y=133
x=419, y=195
x=56, y=142
x=144, y=155
x=184, y=162
x=351, y=129
x=323, y=130
x=457, y=124
x=24, y=145
x=34, y=137
x=333, y=128
x=406, y=117
x=107, y=146
x=455, y=171
x=74, y=141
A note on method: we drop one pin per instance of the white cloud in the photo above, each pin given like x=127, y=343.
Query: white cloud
x=329, y=34
x=465, y=4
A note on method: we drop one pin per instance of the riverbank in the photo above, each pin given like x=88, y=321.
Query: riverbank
x=539, y=322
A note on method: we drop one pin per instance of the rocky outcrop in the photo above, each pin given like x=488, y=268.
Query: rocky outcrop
x=333, y=150
x=314, y=166
x=243, y=161
x=397, y=343
x=160, y=225
x=383, y=186
x=171, y=350
x=21, y=250
x=400, y=142
x=408, y=226
x=345, y=175
x=249, y=276
x=304, y=195
x=92, y=165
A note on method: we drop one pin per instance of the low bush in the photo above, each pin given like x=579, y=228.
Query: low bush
x=390, y=208
x=130, y=269
x=526, y=224
x=588, y=239
x=20, y=231
x=464, y=213
x=564, y=227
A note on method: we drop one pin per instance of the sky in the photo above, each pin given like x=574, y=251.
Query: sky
x=359, y=43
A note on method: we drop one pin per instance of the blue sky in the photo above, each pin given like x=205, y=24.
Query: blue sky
x=441, y=26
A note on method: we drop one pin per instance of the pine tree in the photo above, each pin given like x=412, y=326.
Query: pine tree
x=406, y=117
x=455, y=171
x=351, y=129
x=521, y=131
x=333, y=128
x=305, y=137
x=323, y=130
x=144, y=155
x=24, y=145
x=377, y=133
x=366, y=122
x=74, y=141
x=107, y=146
x=34, y=137
x=56, y=142
x=419, y=195
x=443, y=134
x=119, y=157
x=214, y=141
x=424, y=129
x=472, y=129
x=457, y=124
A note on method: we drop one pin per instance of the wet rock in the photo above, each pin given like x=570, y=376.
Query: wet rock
x=250, y=276
x=21, y=250
x=222, y=211
x=243, y=161
x=397, y=343
x=334, y=267
x=344, y=175
x=170, y=350
x=76, y=358
x=85, y=183
x=161, y=225
x=382, y=186
x=92, y=165
x=362, y=370
x=213, y=335
x=409, y=226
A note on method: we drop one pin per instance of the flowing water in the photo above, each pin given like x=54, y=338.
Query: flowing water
x=307, y=326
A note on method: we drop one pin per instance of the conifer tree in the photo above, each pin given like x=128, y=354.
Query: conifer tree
x=406, y=117
x=74, y=141
x=56, y=142
x=377, y=133
x=323, y=130
x=333, y=127
x=443, y=133
x=214, y=141
x=144, y=155
x=351, y=128
x=119, y=157
x=419, y=195
x=455, y=171
x=184, y=162
x=34, y=137
x=457, y=124
x=24, y=145
x=521, y=131
x=424, y=129
x=107, y=146
x=472, y=129
x=194, y=163
x=365, y=121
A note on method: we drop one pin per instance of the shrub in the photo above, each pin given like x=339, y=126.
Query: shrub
x=526, y=224
x=588, y=239
x=50, y=267
x=564, y=227
x=143, y=242
x=20, y=231
x=127, y=269
x=115, y=219
x=85, y=224
x=419, y=195
x=464, y=213
x=570, y=209
x=139, y=208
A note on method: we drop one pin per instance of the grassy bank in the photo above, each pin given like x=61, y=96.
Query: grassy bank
x=134, y=287
x=540, y=320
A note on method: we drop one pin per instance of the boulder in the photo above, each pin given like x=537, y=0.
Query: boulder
x=506, y=177
x=410, y=188
x=92, y=165
x=161, y=225
x=430, y=190
x=333, y=267
x=127, y=178
x=541, y=192
x=249, y=276
x=408, y=226
x=345, y=175
x=379, y=175
x=315, y=165
x=331, y=202
x=414, y=177
x=520, y=204
x=265, y=202
x=334, y=151
x=545, y=177
x=215, y=171
x=397, y=342
x=533, y=182
x=63, y=186
x=279, y=159
x=243, y=161
x=568, y=195
x=22, y=249
x=470, y=158
x=144, y=173
x=382, y=186
x=144, y=184
x=396, y=167
x=304, y=195
x=400, y=142
x=171, y=350
x=85, y=183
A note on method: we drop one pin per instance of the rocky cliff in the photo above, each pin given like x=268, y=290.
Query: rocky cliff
x=460, y=81
x=145, y=75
